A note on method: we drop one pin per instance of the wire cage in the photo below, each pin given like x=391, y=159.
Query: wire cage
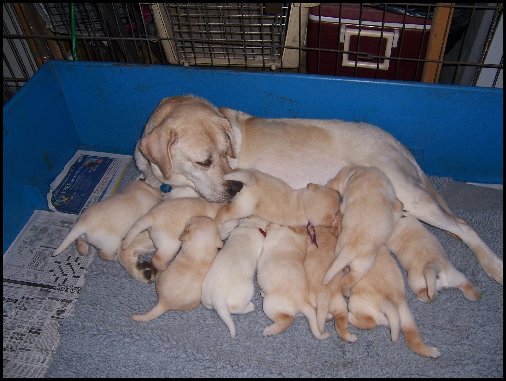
x=450, y=43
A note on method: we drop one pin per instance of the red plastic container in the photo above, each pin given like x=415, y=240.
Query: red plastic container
x=389, y=45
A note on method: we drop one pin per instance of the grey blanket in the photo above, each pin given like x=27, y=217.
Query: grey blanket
x=101, y=340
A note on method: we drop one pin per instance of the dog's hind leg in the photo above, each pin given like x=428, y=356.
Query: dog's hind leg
x=341, y=325
x=424, y=206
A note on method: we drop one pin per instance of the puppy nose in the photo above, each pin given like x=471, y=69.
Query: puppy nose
x=233, y=187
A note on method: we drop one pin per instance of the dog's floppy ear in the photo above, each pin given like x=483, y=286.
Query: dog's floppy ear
x=232, y=144
x=234, y=119
x=156, y=148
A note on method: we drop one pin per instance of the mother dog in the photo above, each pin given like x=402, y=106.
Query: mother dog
x=188, y=142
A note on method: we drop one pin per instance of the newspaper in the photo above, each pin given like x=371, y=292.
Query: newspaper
x=87, y=178
x=38, y=291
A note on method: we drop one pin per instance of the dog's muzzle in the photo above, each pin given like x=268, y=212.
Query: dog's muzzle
x=233, y=187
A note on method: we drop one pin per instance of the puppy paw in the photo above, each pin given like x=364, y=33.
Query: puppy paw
x=350, y=337
x=147, y=270
x=433, y=352
x=423, y=295
x=470, y=292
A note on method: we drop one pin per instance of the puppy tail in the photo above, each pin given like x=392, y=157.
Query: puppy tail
x=142, y=224
x=430, y=272
x=339, y=263
x=390, y=311
x=310, y=314
x=322, y=308
x=412, y=334
x=223, y=312
x=77, y=230
x=157, y=310
x=245, y=177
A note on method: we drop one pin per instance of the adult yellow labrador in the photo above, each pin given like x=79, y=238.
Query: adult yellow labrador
x=188, y=142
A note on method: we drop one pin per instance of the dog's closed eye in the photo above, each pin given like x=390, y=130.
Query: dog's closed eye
x=206, y=163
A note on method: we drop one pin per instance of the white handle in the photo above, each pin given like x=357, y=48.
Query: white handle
x=391, y=37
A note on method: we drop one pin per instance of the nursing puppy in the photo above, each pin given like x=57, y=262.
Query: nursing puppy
x=424, y=258
x=379, y=299
x=104, y=224
x=179, y=287
x=165, y=223
x=282, y=279
x=131, y=257
x=228, y=286
x=370, y=209
x=274, y=200
x=188, y=141
x=326, y=299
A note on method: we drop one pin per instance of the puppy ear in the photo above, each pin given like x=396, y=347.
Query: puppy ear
x=339, y=181
x=218, y=241
x=156, y=148
x=337, y=226
x=185, y=235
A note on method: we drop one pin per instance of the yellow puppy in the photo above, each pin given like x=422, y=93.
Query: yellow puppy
x=165, y=223
x=370, y=209
x=379, y=299
x=326, y=299
x=228, y=286
x=179, y=287
x=281, y=276
x=274, y=200
x=424, y=258
x=105, y=224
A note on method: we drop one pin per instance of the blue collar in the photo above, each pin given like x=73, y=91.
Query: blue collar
x=165, y=188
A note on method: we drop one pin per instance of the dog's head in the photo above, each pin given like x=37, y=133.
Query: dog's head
x=321, y=204
x=203, y=229
x=186, y=142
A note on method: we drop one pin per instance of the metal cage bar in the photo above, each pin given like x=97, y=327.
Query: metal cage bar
x=294, y=37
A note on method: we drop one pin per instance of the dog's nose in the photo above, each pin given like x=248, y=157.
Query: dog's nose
x=233, y=187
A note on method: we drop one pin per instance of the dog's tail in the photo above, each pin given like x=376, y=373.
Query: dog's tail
x=392, y=315
x=322, y=308
x=430, y=272
x=142, y=224
x=339, y=263
x=412, y=334
x=245, y=177
x=310, y=313
x=157, y=310
x=77, y=230
x=221, y=308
